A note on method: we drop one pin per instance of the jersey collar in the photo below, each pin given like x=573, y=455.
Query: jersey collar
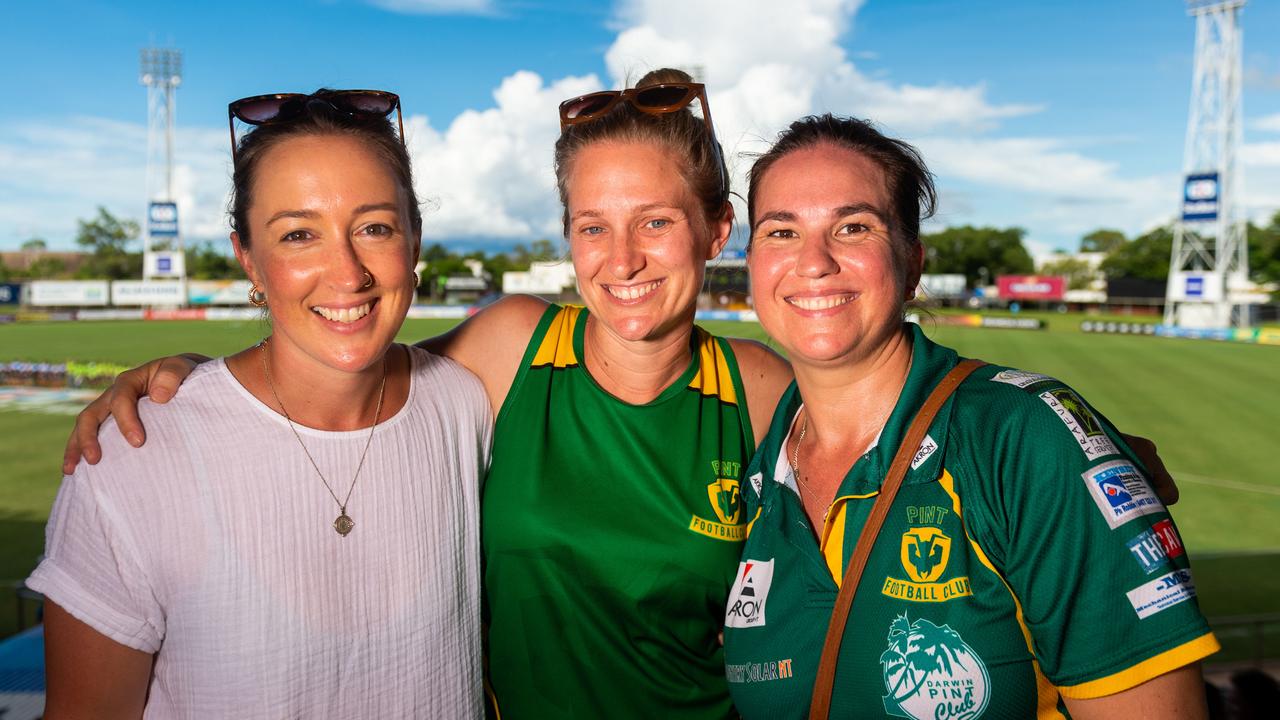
x=930, y=362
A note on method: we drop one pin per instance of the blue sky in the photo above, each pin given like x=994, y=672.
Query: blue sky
x=1055, y=117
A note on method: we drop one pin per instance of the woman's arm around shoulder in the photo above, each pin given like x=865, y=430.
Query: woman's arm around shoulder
x=492, y=342
x=88, y=675
x=765, y=376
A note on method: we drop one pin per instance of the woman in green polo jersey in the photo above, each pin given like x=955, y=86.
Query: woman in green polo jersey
x=1025, y=569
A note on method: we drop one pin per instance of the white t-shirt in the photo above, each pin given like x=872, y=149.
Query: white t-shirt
x=213, y=547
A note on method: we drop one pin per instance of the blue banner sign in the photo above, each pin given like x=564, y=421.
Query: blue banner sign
x=162, y=219
x=1200, y=197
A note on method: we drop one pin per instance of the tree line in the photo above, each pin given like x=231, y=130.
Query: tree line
x=979, y=253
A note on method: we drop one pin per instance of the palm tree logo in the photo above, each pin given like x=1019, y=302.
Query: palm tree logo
x=1074, y=405
x=931, y=673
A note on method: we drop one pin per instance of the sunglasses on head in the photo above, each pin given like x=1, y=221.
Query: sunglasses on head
x=283, y=107
x=653, y=99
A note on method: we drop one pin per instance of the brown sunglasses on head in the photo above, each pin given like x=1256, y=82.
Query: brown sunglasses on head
x=282, y=107
x=653, y=99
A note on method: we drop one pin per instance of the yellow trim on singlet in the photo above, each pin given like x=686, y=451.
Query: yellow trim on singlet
x=1169, y=660
x=713, y=377
x=556, y=348
x=1046, y=691
x=832, y=545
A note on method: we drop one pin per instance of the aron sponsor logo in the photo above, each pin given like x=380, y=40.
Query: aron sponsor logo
x=749, y=593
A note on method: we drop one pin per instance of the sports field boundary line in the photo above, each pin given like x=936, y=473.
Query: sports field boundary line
x=1181, y=477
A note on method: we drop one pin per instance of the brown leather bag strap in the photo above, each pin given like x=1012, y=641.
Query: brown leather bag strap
x=820, y=705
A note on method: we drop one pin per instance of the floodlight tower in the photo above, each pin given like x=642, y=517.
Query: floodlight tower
x=161, y=72
x=1210, y=251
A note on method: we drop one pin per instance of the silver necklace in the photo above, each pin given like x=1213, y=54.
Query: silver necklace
x=344, y=523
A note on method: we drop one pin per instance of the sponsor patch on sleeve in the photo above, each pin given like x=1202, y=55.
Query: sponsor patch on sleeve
x=1019, y=378
x=928, y=446
x=747, y=597
x=757, y=483
x=1147, y=549
x=1082, y=423
x=1167, y=534
x=1121, y=492
x=1162, y=593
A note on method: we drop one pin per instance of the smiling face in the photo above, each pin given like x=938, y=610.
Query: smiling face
x=638, y=238
x=325, y=211
x=824, y=278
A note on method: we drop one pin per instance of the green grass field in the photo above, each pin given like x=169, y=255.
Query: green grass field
x=1213, y=409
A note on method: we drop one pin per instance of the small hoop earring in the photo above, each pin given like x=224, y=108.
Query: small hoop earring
x=417, y=281
x=257, y=298
x=368, y=283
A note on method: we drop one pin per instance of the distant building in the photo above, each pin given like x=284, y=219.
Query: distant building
x=542, y=278
x=22, y=260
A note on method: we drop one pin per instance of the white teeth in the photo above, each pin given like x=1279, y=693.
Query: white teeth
x=825, y=302
x=632, y=292
x=343, y=315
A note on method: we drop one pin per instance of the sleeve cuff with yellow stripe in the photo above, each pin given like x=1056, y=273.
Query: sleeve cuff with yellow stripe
x=1167, y=661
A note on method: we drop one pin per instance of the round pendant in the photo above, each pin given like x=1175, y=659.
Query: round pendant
x=343, y=524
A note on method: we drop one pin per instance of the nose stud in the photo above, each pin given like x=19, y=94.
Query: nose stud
x=368, y=280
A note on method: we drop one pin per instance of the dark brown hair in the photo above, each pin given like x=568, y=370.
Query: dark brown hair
x=684, y=134
x=911, y=192
x=318, y=117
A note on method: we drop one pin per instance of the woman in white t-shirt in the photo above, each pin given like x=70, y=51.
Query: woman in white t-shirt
x=298, y=538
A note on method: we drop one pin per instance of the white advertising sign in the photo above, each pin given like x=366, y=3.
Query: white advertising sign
x=1192, y=286
x=69, y=293
x=147, y=292
x=218, y=292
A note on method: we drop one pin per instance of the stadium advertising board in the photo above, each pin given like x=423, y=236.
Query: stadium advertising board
x=938, y=287
x=1200, y=197
x=147, y=292
x=1031, y=287
x=69, y=293
x=218, y=292
x=164, y=264
x=1192, y=286
x=10, y=293
x=162, y=219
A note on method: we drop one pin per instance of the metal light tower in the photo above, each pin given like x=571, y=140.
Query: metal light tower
x=1210, y=251
x=161, y=72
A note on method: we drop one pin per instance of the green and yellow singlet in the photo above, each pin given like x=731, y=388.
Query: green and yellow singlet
x=611, y=534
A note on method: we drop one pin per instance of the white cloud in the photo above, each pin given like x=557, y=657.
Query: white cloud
x=56, y=174
x=1268, y=123
x=437, y=7
x=1264, y=154
x=489, y=173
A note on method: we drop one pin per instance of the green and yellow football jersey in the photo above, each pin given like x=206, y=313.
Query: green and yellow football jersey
x=611, y=533
x=1025, y=559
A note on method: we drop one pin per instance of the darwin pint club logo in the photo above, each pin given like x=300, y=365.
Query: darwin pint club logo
x=726, y=503
x=930, y=673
